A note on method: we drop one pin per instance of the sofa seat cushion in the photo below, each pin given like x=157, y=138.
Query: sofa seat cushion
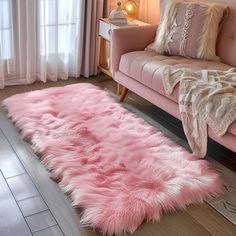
x=147, y=68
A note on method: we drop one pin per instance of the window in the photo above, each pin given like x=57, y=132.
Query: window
x=58, y=20
x=5, y=30
x=41, y=39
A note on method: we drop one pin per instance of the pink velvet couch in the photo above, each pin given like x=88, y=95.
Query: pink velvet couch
x=138, y=70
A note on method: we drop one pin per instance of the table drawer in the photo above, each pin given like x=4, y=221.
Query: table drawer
x=105, y=30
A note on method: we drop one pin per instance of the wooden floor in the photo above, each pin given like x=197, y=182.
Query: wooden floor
x=32, y=204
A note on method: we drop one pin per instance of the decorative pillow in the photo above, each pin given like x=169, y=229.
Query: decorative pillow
x=188, y=29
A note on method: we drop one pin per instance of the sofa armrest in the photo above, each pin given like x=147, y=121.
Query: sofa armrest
x=126, y=40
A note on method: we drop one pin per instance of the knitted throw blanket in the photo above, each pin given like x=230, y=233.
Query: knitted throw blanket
x=206, y=97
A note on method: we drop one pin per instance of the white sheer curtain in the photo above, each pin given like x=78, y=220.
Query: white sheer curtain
x=45, y=39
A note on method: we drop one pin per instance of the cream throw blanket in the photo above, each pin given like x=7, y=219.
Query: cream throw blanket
x=206, y=97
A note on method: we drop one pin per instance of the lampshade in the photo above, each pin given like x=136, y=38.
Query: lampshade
x=131, y=8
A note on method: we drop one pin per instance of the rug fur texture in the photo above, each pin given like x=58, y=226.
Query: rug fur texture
x=118, y=169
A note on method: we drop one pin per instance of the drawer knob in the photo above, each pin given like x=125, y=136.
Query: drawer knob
x=109, y=31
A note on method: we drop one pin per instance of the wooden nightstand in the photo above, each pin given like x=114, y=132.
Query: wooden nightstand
x=105, y=31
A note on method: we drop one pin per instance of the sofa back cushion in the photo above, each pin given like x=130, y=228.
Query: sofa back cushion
x=226, y=42
x=188, y=29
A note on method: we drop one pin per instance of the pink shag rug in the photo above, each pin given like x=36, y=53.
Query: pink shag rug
x=118, y=169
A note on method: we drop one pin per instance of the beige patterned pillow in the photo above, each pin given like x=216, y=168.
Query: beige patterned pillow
x=189, y=29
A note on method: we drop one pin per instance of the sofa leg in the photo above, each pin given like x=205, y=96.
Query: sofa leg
x=123, y=94
x=119, y=88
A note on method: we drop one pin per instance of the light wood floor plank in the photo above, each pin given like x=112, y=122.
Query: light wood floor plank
x=175, y=224
x=32, y=205
x=40, y=221
x=12, y=222
x=212, y=220
x=22, y=187
x=9, y=163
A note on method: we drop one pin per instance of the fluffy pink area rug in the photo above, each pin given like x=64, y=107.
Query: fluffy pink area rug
x=118, y=169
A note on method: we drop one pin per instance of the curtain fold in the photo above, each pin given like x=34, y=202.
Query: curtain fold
x=149, y=11
x=48, y=39
x=93, y=12
x=143, y=10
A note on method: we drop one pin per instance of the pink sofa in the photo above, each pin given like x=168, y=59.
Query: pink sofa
x=138, y=70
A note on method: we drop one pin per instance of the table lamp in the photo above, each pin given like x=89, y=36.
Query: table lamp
x=131, y=8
